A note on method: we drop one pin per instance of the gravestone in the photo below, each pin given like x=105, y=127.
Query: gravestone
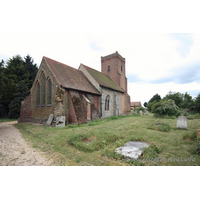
x=186, y=112
x=147, y=113
x=60, y=121
x=136, y=112
x=198, y=133
x=182, y=122
x=132, y=149
x=140, y=112
x=49, y=122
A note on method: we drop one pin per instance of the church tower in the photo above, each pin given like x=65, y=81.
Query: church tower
x=114, y=66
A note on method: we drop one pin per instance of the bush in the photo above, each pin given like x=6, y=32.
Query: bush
x=166, y=107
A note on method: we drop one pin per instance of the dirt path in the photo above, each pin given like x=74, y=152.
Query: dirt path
x=14, y=151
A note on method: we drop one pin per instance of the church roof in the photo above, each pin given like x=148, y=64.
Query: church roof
x=136, y=103
x=69, y=77
x=103, y=79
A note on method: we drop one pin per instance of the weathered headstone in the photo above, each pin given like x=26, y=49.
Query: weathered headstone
x=136, y=112
x=186, y=112
x=182, y=122
x=132, y=149
x=147, y=113
x=140, y=112
x=49, y=122
x=60, y=121
x=198, y=133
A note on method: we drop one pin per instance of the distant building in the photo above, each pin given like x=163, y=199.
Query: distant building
x=135, y=104
x=79, y=95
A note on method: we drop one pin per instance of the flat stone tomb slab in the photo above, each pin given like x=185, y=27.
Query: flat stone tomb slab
x=132, y=149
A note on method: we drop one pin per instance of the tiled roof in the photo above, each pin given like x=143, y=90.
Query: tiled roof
x=69, y=77
x=137, y=103
x=103, y=79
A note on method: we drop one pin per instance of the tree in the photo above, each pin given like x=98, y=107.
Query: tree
x=166, y=107
x=187, y=102
x=19, y=96
x=197, y=103
x=31, y=68
x=16, y=69
x=156, y=98
x=2, y=77
x=145, y=104
x=176, y=96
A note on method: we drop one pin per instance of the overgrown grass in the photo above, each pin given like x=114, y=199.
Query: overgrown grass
x=7, y=120
x=160, y=127
x=95, y=143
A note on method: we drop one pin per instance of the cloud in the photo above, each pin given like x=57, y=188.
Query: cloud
x=182, y=74
x=133, y=78
x=194, y=93
x=94, y=46
x=185, y=42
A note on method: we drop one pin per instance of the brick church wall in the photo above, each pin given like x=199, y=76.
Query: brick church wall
x=40, y=114
x=25, y=111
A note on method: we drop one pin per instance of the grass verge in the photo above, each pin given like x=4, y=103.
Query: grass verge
x=95, y=143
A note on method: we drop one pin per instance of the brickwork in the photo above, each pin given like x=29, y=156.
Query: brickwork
x=116, y=70
x=42, y=112
x=25, y=111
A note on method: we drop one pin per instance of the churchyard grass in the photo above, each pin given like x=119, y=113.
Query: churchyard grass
x=6, y=120
x=95, y=143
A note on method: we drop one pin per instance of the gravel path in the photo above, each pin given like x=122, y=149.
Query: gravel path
x=14, y=151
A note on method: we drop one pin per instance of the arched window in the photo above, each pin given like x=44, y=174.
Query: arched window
x=107, y=102
x=108, y=68
x=38, y=95
x=49, y=92
x=43, y=90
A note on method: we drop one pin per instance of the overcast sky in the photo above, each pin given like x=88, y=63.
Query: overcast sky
x=157, y=58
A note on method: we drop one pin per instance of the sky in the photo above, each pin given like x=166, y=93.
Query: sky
x=161, y=54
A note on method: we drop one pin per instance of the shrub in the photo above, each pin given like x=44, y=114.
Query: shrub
x=166, y=107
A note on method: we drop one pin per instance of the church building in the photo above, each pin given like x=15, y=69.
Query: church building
x=80, y=95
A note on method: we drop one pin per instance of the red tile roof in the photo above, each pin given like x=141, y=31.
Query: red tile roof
x=136, y=103
x=69, y=77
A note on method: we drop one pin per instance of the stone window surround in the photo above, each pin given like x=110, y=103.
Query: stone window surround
x=107, y=101
x=46, y=81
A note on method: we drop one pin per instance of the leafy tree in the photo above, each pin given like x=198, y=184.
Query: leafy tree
x=31, y=68
x=145, y=104
x=187, y=102
x=19, y=96
x=2, y=77
x=16, y=69
x=176, y=96
x=149, y=105
x=166, y=107
x=197, y=103
x=156, y=98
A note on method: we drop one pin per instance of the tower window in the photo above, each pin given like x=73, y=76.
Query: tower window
x=108, y=68
x=121, y=68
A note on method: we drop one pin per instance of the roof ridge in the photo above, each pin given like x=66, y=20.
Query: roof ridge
x=104, y=75
x=60, y=63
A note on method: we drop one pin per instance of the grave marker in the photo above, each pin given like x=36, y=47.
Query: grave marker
x=60, y=121
x=182, y=122
x=49, y=122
